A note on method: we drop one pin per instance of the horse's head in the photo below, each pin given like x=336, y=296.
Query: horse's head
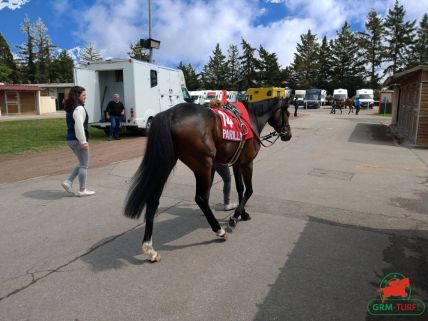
x=279, y=119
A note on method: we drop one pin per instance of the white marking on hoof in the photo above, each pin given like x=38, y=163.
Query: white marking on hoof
x=221, y=233
x=149, y=250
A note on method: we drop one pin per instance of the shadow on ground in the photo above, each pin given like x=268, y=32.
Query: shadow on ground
x=370, y=133
x=126, y=248
x=335, y=269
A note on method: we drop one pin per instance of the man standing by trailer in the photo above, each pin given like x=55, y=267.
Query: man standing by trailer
x=114, y=112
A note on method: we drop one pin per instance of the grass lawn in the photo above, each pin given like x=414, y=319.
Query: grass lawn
x=37, y=135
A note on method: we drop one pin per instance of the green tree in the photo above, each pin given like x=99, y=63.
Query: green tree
x=420, y=51
x=348, y=64
x=89, y=54
x=61, y=69
x=248, y=64
x=324, y=66
x=26, y=53
x=305, y=65
x=190, y=75
x=399, y=37
x=44, y=48
x=268, y=69
x=234, y=68
x=373, y=49
x=7, y=64
x=138, y=52
x=215, y=72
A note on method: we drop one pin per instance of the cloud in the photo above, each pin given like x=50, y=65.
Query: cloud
x=190, y=29
x=60, y=6
x=12, y=4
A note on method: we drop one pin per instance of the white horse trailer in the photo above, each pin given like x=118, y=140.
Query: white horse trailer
x=145, y=89
x=340, y=94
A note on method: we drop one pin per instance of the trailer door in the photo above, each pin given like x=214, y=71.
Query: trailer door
x=88, y=79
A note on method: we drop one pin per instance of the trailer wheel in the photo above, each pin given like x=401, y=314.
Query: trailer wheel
x=148, y=125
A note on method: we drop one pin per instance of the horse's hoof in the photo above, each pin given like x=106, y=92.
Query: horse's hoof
x=232, y=221
x=221, y=233
x=245, y=216
x=155, y=259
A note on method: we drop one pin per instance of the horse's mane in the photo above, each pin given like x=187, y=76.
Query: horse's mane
x=262, y=107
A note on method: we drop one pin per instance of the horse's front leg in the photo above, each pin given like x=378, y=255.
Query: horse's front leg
x=245, y=174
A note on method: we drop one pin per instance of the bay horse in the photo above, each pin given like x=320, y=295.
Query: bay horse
x=193, y=134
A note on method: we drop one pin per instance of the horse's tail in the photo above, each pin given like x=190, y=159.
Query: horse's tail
x=158, y=162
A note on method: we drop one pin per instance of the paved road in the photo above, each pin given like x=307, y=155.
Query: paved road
x=334, y=210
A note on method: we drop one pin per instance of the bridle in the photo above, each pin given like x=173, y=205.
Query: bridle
x=281, y=134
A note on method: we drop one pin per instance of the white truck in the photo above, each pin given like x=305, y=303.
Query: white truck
x=145, y=89
x=366, y=97
x=198, y=96
x=300, y=96
x=340, y=94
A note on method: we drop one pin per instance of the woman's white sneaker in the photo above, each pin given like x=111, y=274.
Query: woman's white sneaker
x=230, y=206
x=66, y=185
x=86, y=192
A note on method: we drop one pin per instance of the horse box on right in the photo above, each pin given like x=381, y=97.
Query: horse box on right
x=145, y=89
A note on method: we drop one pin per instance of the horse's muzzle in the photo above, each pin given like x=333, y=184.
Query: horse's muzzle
x=285, y=137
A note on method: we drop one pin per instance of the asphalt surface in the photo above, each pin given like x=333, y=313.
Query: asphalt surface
x=334, y=211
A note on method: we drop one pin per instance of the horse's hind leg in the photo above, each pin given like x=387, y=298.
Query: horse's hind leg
x=203, y=185
x=147, y=240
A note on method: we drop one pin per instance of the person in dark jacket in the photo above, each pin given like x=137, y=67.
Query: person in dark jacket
x=77, y=139
x=114, y=112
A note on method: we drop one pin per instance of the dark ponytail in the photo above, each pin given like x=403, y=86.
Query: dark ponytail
x=72, y=100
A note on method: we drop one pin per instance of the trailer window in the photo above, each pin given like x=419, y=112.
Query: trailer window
x=118, y=75
x=153, y=78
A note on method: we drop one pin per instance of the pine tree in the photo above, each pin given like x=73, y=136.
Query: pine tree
x=7, y=65
x=305, y=65
x=400, y=38
x=249, y=65
x=89, y=54
x=214, y=73
x=269, y=69
x=26, y=53
x=61, y=70
x=420, y=52
x=348, y=64
x=373, y=49
x=44, y=48
x=234, y=68
x=192, y=81
x=325, y=66
x=138, y=52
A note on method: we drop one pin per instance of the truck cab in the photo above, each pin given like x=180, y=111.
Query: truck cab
x=366, y=97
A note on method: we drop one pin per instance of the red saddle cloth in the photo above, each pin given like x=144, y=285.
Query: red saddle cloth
x=230, y=125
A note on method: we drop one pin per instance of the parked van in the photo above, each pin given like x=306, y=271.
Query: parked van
x=300, y=96
x=315, y=97
x=259, y=94
x=145, y=89
x=340, y=94
x=366, y=97
x=198, y=96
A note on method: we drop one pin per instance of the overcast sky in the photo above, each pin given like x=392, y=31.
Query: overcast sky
x=189, y=29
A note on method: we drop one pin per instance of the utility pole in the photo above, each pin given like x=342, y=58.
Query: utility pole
x=150, y=30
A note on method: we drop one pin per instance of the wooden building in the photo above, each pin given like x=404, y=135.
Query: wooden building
x=19, y=99
x=410, y=108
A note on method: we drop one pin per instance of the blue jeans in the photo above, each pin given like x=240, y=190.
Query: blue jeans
x=224, y=172
x=81, y=169
x=115, y=126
